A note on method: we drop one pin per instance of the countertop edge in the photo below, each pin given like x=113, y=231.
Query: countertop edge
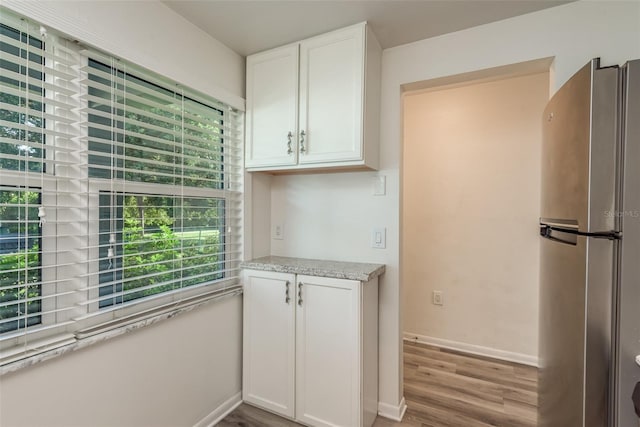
x=376, y=270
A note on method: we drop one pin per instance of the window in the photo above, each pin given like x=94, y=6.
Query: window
x=149, y=143
x=120, y=191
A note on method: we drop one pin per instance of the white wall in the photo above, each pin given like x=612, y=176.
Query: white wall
x=173, y=373
x=572, y=34
x=471, y=202
x=178, y=371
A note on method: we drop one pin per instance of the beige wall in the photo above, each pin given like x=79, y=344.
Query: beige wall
x=471, y=190
x=172, y=374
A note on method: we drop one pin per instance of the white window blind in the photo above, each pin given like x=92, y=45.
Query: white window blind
x=165, y=167
x=39, y=128
x=120, y=192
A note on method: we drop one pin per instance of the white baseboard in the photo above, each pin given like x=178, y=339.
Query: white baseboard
x=509, y=356
x=221, y=411
x=393, y=412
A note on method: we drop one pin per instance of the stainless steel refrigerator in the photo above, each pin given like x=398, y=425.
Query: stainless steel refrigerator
x=590, y=250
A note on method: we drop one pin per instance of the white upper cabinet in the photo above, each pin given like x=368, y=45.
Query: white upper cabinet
x=272, y=108
x=329, y=101
x=331, y=97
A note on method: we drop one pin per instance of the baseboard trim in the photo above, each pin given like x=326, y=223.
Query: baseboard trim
x=393, y=412
x=509, y=356
x=221, y=411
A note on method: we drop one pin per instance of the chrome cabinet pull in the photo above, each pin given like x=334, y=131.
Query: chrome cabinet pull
x=302, y=135
x=300, y=294
x=286, y=293
x=289, y=140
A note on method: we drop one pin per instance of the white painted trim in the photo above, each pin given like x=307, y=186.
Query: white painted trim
x=392, y=412
x=524, y=359
x=221, y=411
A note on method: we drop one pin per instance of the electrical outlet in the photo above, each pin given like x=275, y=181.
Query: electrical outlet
x=437, y=298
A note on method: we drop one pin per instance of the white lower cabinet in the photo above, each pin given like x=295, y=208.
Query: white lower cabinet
x=311, y=347
x=269, y=329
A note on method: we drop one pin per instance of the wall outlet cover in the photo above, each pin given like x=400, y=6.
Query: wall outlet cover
x=277, y=231
x=437, y=298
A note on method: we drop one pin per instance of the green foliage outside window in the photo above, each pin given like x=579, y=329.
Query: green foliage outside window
x=163, y=244
x=19, y=259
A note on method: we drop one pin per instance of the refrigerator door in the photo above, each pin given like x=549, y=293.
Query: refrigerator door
x=579, y=154
x=579, y=126
x=629, y=297
x=575, y=330
x=561, y=346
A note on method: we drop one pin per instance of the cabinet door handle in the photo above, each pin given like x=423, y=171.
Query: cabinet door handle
x=300, y=294
x=302, y=135
x=286, y=293
x=289, y=140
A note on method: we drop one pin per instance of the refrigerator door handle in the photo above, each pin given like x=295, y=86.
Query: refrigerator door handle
x=560, y=236
x=561, y=224
x=547, y=228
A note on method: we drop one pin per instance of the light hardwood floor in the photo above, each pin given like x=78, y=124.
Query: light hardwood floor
x=444, y=388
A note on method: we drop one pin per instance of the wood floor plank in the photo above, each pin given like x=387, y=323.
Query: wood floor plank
x=458, y=387
x=523, y=396
x=444, y=388
x=527, y=372
x=442, y=417
x=422, y=360
x=521, y=410
x=460, y=383
x=444, y=393
x=250, y=416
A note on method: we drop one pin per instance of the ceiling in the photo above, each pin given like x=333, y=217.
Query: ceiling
x=249, y=26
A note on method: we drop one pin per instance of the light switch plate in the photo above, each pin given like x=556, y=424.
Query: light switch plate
x=277, y=231
x=379, y=185
x=379, y=238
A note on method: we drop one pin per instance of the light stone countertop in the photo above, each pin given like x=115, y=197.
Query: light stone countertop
x=314, y=267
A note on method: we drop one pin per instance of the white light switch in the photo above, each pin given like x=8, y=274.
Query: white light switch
x=379, y=185
x=379, y=238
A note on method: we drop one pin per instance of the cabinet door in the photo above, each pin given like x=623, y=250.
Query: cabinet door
x=272, y=105
x=269, y=341
x=331, y=97
x=328, y=352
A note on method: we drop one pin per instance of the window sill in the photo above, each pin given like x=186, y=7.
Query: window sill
x=110, y=330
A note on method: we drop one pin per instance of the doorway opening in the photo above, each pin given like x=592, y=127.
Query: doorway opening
x=470, y=198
